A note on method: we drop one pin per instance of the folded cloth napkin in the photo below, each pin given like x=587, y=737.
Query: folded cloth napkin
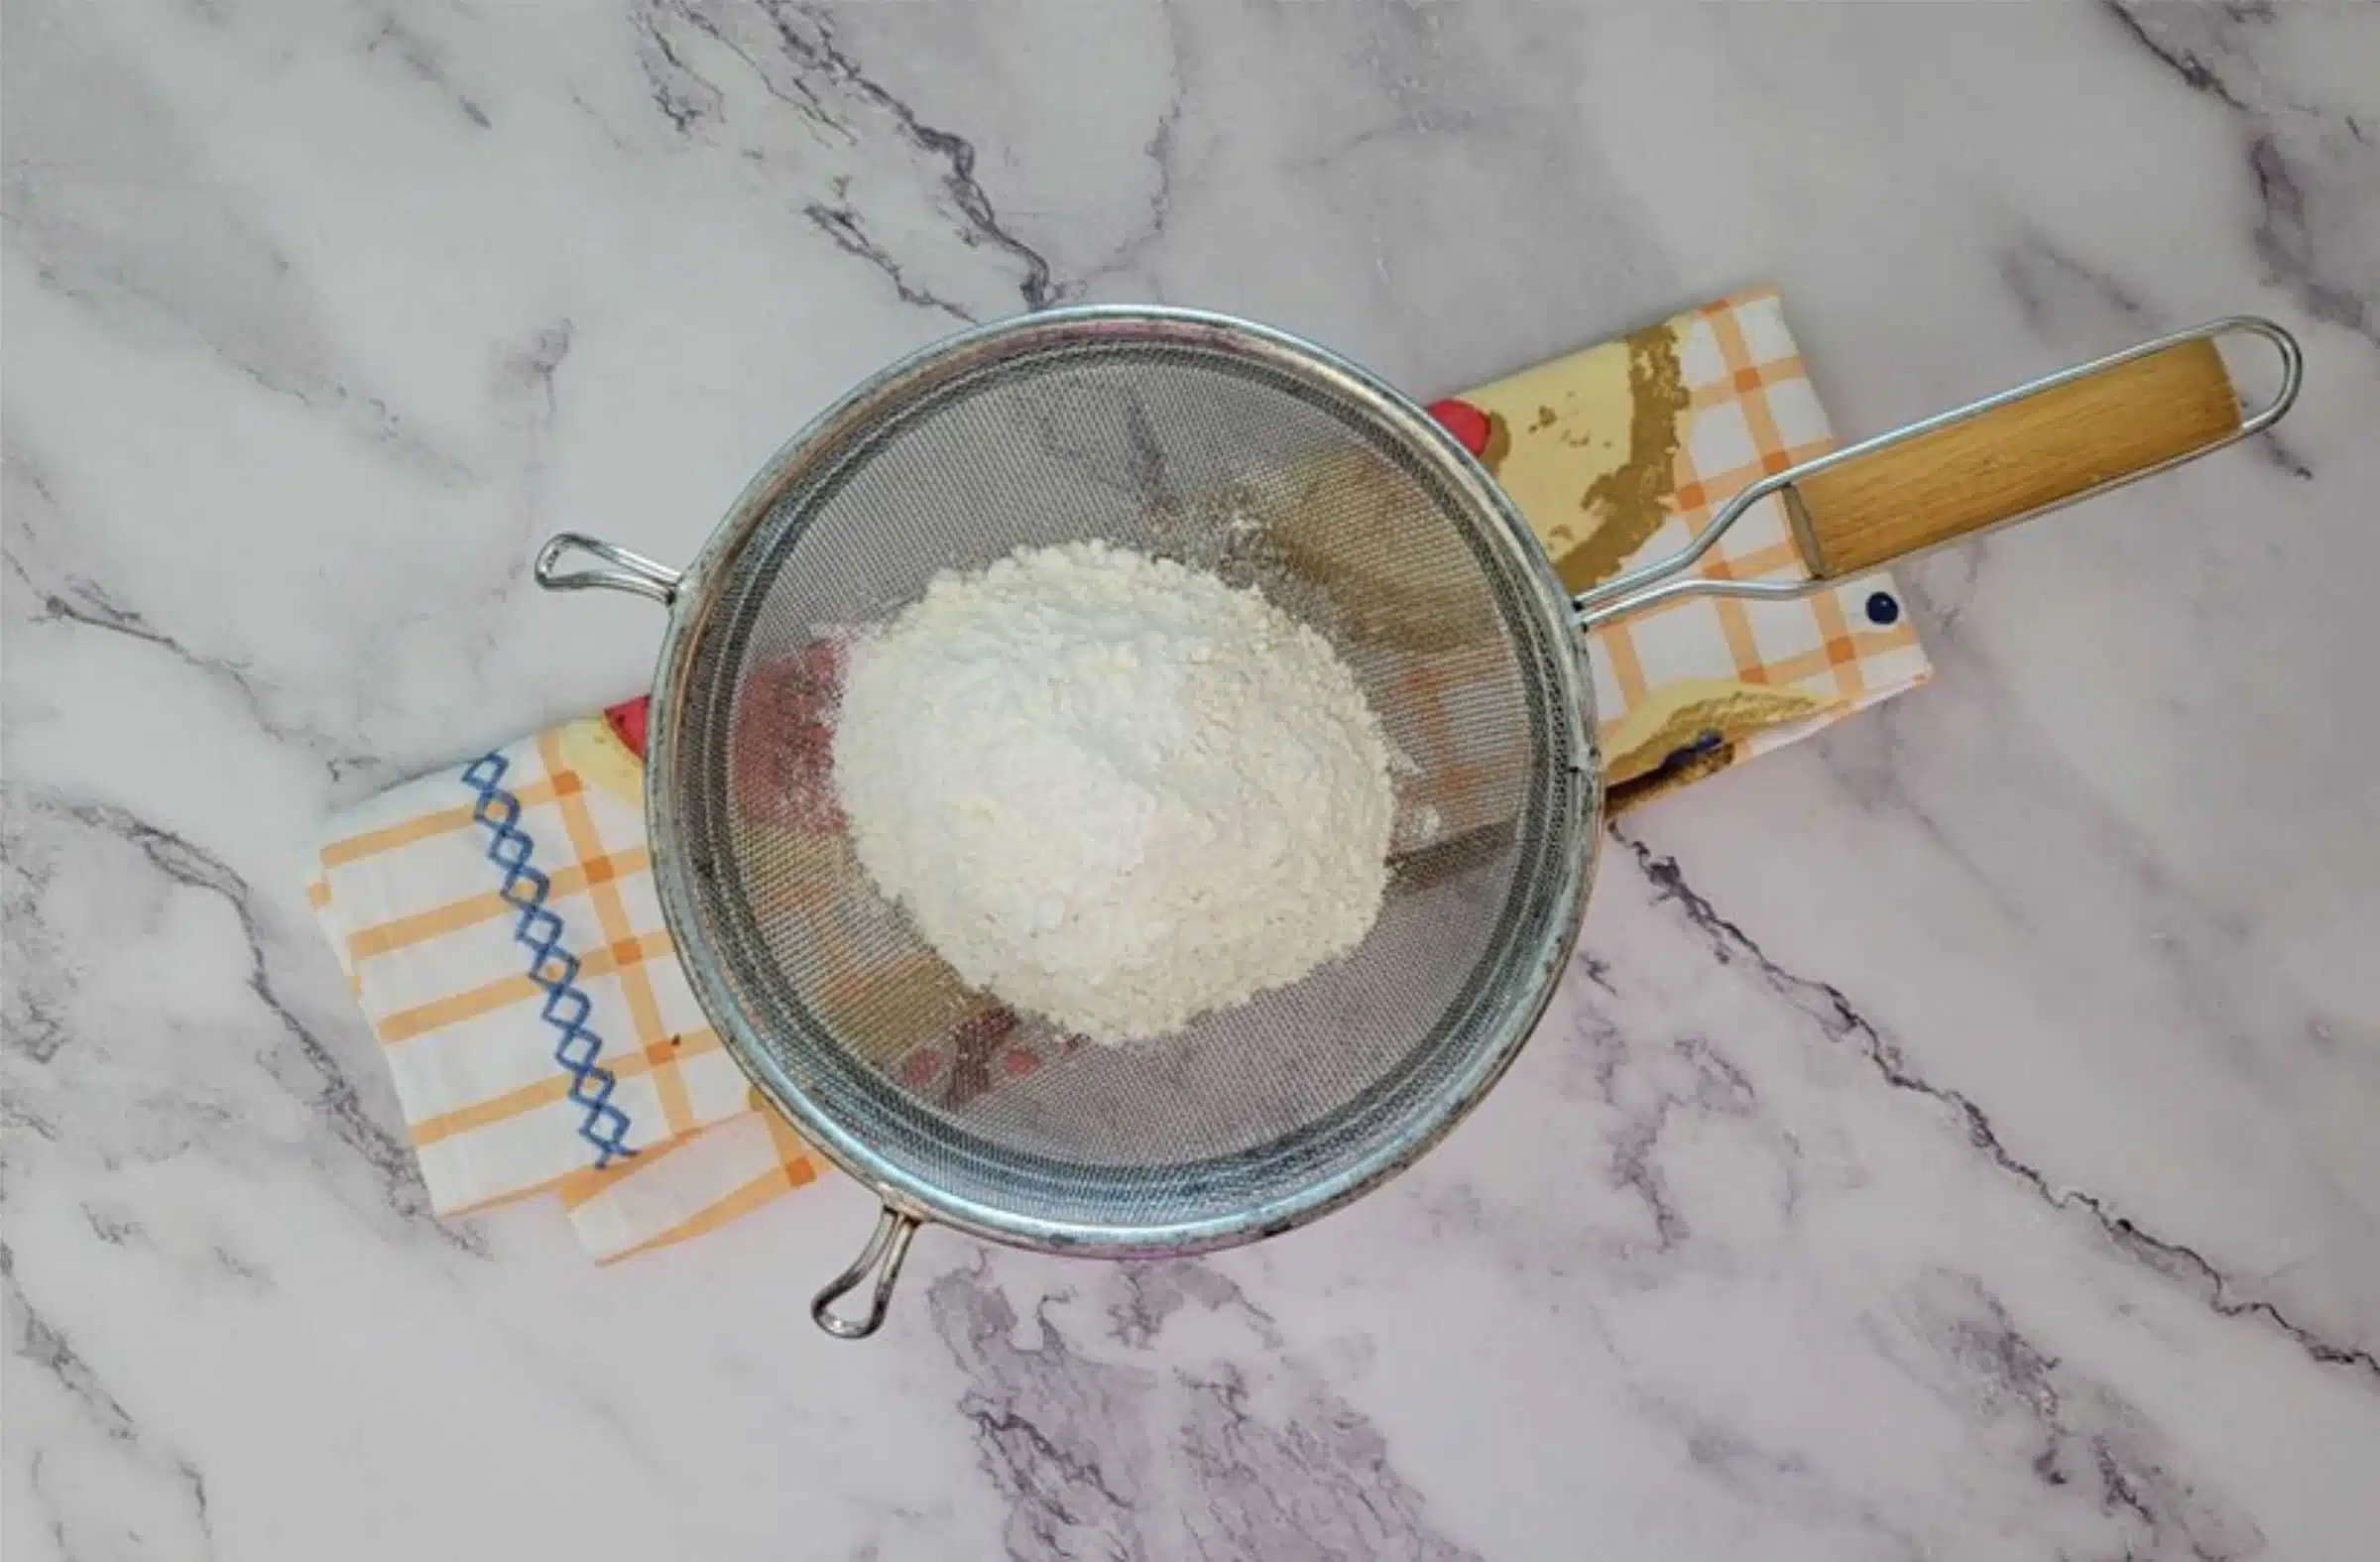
x=499, y=924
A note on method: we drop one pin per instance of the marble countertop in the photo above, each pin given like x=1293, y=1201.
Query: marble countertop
x=1958, y=1138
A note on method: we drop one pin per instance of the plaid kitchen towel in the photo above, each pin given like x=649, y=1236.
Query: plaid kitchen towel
x=498, y=925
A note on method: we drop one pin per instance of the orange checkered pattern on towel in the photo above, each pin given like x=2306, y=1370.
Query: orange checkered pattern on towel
x=410, y=899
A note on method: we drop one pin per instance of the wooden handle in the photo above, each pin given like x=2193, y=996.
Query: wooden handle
x=2026, y=455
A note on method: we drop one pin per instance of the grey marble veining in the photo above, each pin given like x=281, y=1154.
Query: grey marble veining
x=1955, y=1137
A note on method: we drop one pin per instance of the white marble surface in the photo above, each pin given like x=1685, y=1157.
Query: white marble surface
x=1961, y=1136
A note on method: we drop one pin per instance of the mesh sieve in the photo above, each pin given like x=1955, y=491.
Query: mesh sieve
x=1273, y=465
x=1276, y=465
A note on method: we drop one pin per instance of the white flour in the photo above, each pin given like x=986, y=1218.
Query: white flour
x=1114, y=790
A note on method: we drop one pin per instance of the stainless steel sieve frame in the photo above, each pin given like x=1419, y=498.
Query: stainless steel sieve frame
x=693, y=595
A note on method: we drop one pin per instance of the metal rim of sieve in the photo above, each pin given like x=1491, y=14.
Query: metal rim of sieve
x=1496, y=1041
x=1560, y=873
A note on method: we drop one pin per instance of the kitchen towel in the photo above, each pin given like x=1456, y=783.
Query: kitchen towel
x=498, y=925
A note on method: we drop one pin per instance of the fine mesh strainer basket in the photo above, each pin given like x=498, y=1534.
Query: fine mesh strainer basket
x=1273, y=464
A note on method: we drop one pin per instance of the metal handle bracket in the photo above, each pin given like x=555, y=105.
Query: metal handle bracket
x=889, y=1244
x=633, y=572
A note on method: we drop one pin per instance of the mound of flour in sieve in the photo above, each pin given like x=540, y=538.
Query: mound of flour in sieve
x=1114, y=791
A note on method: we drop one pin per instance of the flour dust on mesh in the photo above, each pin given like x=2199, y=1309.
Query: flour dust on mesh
x=1114, y=791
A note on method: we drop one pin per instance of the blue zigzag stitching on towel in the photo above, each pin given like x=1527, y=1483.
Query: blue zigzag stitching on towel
x=551, y=966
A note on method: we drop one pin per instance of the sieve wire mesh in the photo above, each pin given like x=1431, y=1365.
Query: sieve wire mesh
x=1270, y=477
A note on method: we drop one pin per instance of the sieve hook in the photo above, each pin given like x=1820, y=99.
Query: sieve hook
x=633, y=574
x=887, y=1244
